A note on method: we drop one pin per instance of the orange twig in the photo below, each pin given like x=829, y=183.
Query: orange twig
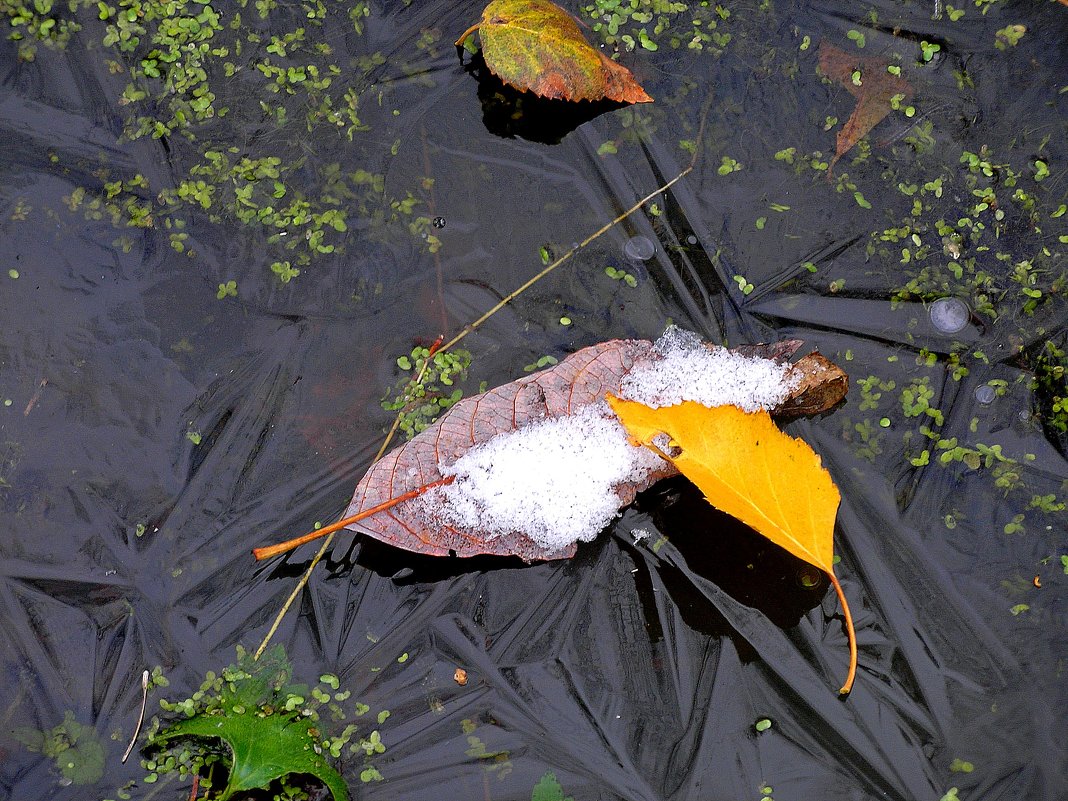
x=851, y=634
x=282, y=547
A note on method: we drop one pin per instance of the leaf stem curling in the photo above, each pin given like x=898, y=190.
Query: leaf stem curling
x=465, y=34
x=851, y=634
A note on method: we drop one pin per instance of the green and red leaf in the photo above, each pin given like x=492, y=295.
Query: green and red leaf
x=536, y=46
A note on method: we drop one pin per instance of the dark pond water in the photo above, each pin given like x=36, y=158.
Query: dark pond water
x=158, y=422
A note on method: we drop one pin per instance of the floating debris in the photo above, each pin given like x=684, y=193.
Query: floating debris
x=949, y=315
x=985, y=394
x=639, y=248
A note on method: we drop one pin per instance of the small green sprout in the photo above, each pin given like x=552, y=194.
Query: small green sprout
x=621, y=275
x=229, y=289
x=762, y=725
x=1015, y=526
x=744, y=286
x=727, y=166
x=541, y=363
x=1009, y=36
x=285, y=271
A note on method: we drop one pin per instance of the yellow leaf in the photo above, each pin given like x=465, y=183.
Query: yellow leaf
x=751, y=470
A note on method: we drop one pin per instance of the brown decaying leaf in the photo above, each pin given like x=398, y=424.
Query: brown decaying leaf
x=583, y=378
x=873, y=95
x=536, y=46
x=754, y=472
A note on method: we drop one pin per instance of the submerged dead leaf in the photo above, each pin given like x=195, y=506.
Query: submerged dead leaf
x=873, y=93
x=535, y=45
x=751, y=470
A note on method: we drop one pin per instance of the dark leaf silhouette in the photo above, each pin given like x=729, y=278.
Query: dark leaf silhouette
x=583, y=378
x=873, y=93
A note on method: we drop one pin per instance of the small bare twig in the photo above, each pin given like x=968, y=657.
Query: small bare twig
x=140, y=717
x=35, y=397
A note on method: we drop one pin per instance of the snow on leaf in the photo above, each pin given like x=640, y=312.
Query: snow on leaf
x=873, y=93
x=569, y=389
x=749, y=469
x=535, y=45
x=576, y=382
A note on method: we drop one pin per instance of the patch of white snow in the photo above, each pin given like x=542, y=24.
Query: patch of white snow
x=689, y=371
x=551, y=480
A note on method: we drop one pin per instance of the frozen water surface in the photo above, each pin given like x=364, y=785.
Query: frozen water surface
x=173, y=393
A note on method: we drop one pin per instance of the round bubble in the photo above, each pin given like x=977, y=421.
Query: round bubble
x=985, y=394
x=639, y=248
x=949, y=315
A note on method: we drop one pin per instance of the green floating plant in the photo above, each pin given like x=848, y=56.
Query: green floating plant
x=429, y=390
x=76, y=749
x=263, y=748
x=263, y=730
x=549, y=789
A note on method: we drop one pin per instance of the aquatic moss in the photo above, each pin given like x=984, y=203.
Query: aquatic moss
x=430, y=390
